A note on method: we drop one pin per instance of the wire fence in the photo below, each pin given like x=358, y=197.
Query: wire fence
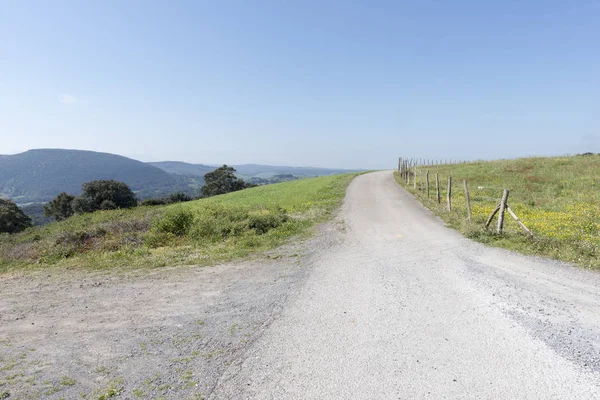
x=417, y=174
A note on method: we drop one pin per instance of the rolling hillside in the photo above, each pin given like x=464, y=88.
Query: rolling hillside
x=248, y=171
x=183, y=168
x=557, y=198
x=39, y=175
x=197, y=232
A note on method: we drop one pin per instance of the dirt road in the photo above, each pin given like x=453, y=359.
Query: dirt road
x=385, y=303
x=405, y=308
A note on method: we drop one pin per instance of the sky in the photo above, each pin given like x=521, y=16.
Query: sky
x=345, y=84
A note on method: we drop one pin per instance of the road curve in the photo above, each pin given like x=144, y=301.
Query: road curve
x=405, y=308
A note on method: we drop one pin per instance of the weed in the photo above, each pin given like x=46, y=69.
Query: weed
x=66, y=381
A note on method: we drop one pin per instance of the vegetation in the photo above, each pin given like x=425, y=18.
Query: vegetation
x=195, y=232
x=12, y=218
x=247, y=171
x=104, y=195
x=557, y=198
x=173, y=198
x=274, y=179
x=61, y=207
x=40, y=175
x=221, y=181
x=36, y=212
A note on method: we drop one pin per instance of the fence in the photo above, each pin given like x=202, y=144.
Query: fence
x=413, y=168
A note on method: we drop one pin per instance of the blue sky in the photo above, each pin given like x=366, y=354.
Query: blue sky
x=322, y=83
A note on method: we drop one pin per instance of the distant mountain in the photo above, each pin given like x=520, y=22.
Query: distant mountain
x=39, y=175
x=269, y=171
x=246, y=171
x=183, y=168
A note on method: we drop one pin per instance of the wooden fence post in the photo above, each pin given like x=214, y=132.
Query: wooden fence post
x=437, y=187
x=469, y=215
x=427, y=182
x=415, y=178
x=489, y=221
x=449, y=193
x=519, y=221
x=502, y=210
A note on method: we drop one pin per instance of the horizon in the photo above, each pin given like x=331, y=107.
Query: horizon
x=332, y=85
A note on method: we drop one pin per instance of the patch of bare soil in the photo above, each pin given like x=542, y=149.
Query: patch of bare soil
x=165, y=333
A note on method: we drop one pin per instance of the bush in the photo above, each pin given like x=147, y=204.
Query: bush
x=178, y=197
x=61, y=207
x=12, y=218
x=176, y=222
x=154, y=202
x=108, y=205
x=82, y=206
x=263, y=221
x=217, y=222
x=95, y=193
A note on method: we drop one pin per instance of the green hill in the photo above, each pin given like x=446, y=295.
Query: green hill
x=39, y=175
x=198, y=232
x=557, y=198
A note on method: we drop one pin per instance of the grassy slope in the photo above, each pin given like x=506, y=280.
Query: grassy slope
x=223, y=228
x=557, y=198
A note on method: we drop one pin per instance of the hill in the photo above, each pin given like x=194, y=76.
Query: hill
x=183, y=168
x=196, y=232
x=248, y=171
x=558, y=198
x=39, y=175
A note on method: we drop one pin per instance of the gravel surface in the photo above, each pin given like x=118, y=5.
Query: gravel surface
x=404, y=308
x=149, y=334
x=385, y=303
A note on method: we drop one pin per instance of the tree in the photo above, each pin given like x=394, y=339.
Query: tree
x=61, y=207
x=12, y=218
x=222, y=180
x=178, y=197
x=104, y=195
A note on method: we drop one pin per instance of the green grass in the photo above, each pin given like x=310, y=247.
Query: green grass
x=557, y=198
x=200, y=232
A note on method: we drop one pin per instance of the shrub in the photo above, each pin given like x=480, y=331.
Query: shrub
x=61, y=207
x=12, y=218
x=178, y=197
x=154, y=202
x=176, y=222
x=108, y=205
x=95, y=193
x=263, y=221
x=82, y=206
x=217, y=222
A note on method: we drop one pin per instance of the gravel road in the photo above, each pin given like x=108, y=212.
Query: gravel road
x=384, y=303
x=404, y=308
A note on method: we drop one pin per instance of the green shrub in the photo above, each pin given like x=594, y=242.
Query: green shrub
x=154, y=202
x=178, y=197
x=176, y=222
x=217, y=222
x=262, y=221
x=108, y=205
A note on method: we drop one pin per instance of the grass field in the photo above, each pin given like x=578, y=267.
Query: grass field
x=557, y=198
x=198, y=232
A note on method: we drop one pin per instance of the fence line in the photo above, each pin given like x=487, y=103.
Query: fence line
x=409, y=166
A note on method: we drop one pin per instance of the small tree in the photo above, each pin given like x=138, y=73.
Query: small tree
x=61, y=207
x=178, y=197
x=12, y=218
x=104, y=195
x=221, y=181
